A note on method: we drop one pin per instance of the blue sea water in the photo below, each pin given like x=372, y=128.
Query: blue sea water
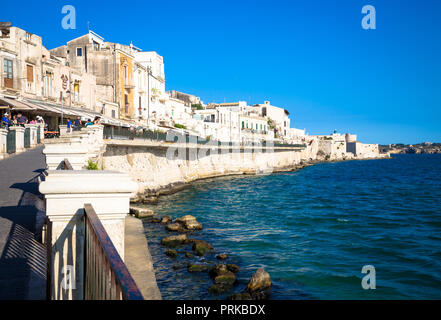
x=314, y=229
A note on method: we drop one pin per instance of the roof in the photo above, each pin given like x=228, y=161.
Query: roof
x=16, y=104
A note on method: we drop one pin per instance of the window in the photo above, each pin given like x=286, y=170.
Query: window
x=243, y=124
x=126, y=74
x=96, y=46
x=113, y=113
x=48, y=84
x=30, y=73
x=140, y=103
x=126, y=103
x=28, y=36
x=79, y=52
x=8, y=74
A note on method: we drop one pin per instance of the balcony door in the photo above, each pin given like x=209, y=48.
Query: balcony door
x=8, y=74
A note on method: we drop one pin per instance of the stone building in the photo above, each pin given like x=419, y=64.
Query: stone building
x=112, y=64
x=20, y=55
x=278, y=115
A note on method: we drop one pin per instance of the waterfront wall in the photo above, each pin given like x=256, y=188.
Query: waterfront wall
x=156, y=172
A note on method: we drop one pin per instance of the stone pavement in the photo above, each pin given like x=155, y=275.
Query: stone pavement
x=138, y=259
x=22, y=257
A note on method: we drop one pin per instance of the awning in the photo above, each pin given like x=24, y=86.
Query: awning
x=69, y=111
x=15, y=104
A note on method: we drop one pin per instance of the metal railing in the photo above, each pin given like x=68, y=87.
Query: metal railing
x=65, y=165
x=10, y=142
x=106, y=275
x=123, y=133
x=27, y=138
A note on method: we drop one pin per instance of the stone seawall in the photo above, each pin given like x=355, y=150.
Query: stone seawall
x=164, y=168
x=157, y=171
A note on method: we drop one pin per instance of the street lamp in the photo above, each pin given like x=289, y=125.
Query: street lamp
x=62, y=110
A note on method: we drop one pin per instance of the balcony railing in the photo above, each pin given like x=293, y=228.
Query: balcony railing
x=106, y=275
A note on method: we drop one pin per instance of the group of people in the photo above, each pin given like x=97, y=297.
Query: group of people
x=18, y=120
x=77, y=124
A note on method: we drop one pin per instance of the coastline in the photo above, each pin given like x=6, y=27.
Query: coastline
x=152, y=196
x=168, y=191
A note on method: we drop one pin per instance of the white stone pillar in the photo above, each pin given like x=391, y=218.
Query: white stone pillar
x=33, y=134
x=3, y=139
x=71, y=148
x=19, y=138
x=66, y=193
x=41, y=125
x=63, y=130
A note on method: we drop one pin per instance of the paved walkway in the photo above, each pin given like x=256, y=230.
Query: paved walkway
x=22, y=257
x=138, y=259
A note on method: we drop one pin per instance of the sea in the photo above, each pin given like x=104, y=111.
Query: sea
x=367, y=229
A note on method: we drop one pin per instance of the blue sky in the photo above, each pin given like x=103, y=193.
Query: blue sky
x=310, y=56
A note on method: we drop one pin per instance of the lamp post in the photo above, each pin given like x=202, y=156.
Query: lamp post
x=62, y=110
x=149, y=72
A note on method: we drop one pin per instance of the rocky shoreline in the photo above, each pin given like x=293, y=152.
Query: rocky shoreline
x=420, y=148
x=180, y=242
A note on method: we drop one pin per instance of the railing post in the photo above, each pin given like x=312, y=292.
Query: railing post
x=19, y=138
x=3, y=142
x=66, y=192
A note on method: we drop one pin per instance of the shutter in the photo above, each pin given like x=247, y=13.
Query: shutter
x=30, y=71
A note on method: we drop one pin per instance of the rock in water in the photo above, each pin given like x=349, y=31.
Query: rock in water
x=189, y=222
x=219, y=288
x=200, y=247
x=175, y=227
x=221, y=256
x=165, y=219
x=218, y=270
x=174, y=241
x=240, y=296
x=222, y=276
x=233, y=268
x=171, y=253
x=140, y=212
x=197, y=267
x=259, y=283
x=228, y=278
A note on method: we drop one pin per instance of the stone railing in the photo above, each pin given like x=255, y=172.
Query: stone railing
x=67, y=194
x=17, y=139
x=78, y=147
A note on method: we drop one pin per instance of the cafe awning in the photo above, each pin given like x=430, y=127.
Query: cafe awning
x=15, y=104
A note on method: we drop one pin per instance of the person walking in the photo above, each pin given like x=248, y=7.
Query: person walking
x=69, y=126
x=77, y=124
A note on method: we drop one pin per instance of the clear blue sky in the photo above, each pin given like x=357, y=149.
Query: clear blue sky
x=310, y=56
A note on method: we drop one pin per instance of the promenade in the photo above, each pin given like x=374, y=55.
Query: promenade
x=22, y=257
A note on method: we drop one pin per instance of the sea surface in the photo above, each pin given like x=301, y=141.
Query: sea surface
x=314, y=229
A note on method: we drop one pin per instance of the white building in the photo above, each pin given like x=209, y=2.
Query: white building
x=278, y=115
x=151, y=68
